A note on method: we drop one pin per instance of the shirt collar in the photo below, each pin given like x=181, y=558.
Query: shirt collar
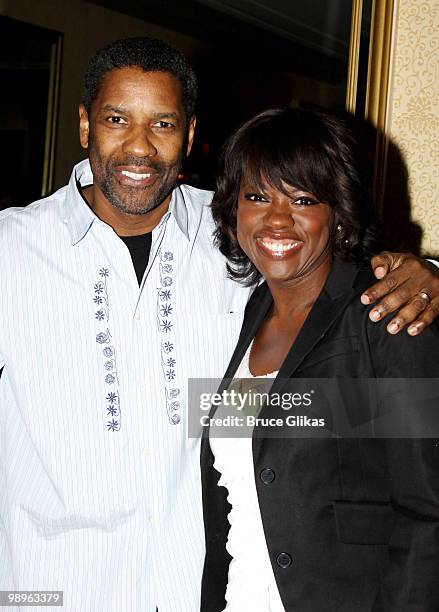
x=79, y=217
x=178, y=209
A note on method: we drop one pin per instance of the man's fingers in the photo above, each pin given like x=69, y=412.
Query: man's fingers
x=410, y=285
x=380, y=271
x=388, y=284
x=394, y=297
x=411, y=313
x=418, y=313
x=430, y=313
x=381, y=264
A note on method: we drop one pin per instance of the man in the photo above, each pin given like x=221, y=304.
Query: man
x=112, y=296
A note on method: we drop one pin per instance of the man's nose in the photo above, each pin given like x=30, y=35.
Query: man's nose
x=139, y=143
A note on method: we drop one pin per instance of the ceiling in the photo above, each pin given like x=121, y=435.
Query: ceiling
x=319, y=25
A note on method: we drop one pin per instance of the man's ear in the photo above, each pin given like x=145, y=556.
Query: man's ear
x=84, y=127
x=190, y=134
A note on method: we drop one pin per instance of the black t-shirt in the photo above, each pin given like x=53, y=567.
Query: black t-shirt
x=139, y=248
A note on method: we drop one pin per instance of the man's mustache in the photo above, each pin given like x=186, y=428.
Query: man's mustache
x=147, y=162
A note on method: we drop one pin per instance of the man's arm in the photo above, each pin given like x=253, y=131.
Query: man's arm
x=6, y=576
x=408, y=283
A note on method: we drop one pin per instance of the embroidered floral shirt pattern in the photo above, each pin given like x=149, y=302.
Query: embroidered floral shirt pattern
x=165, y=324
x=103, y=337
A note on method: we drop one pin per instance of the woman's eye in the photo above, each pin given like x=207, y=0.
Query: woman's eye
x=255, y=197
x=305, y=201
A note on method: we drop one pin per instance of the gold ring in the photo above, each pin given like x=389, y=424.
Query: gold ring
x=424, y=295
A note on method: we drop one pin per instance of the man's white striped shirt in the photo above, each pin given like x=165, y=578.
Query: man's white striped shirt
x=100, y=484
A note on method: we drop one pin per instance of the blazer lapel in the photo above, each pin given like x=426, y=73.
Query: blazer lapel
x=329, y=306
x=255, y=312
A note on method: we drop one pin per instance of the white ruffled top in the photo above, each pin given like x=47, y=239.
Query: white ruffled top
x=251, y=585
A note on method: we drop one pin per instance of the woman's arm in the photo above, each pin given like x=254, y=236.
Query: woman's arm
x=412, y=579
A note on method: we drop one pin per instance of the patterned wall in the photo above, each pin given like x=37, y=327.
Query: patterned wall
x=414, y=110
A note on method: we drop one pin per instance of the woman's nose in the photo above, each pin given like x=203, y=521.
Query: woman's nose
x=279, y=215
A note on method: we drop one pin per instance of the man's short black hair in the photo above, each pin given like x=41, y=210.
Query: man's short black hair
x=148, y=54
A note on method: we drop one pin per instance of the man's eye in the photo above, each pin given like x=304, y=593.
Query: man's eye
x=163, y=124
x=305, y=201
x=255, y=197
x=116, y=120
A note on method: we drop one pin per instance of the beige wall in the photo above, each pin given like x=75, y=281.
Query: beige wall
x=86, y=28
x=414, y=110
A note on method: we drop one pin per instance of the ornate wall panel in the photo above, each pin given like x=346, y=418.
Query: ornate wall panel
x=414, y=110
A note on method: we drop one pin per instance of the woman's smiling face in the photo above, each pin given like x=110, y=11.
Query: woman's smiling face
x=286, y=234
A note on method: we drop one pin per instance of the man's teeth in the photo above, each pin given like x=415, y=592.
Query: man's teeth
x=135, y=175
x=279, y=247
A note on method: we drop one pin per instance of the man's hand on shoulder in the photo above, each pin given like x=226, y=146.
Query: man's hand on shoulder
x=408, y=283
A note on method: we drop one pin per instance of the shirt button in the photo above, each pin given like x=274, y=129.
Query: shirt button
x=284, y=560
x=137, y=315
x=267, y=476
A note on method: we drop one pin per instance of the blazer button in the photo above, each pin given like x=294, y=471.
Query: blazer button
x=267, y=476
x=284, y=560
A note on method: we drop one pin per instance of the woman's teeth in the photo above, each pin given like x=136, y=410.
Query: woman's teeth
x=279, y=247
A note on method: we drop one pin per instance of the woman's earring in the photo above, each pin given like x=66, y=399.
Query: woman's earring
x=339, y=229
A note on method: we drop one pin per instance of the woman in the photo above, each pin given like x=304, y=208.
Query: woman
x=329, y=524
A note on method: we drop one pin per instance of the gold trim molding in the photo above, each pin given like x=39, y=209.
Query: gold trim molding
x=378, y=80
x=378, y=88
x=52, y=117
x=354, y=56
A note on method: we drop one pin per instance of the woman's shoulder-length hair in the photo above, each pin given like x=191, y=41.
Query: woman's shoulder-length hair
x=316, y=152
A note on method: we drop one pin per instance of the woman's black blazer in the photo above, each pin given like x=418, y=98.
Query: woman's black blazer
x=351, y=525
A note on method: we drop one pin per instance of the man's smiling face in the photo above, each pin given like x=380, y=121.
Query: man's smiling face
x=137, y=135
